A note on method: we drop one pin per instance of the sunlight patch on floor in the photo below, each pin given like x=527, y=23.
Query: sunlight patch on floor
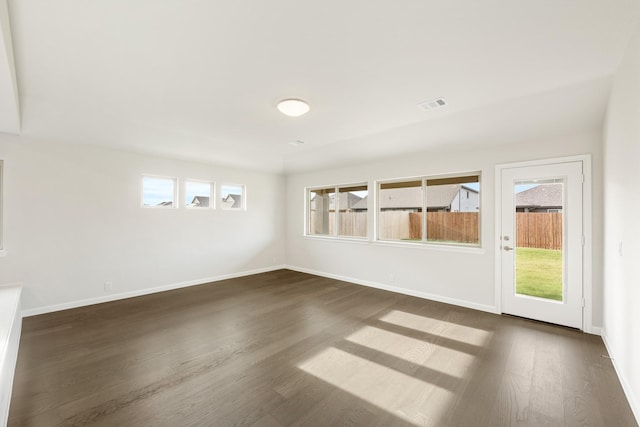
x=451, y=330
x=406, y=348
x=397, y=393
x=405, y=364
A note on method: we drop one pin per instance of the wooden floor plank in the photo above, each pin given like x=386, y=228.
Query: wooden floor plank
x=285, y=348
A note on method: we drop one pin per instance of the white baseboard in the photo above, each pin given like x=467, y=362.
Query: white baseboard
x=628, y=391
x=419, y=294
x=140, y=292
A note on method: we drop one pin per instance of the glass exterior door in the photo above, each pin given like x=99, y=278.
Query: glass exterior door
x=541, y=242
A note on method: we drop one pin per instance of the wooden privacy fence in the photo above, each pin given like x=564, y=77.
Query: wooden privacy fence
x=539, y=230
x=459, y=227
x=393, y=225
x=533, y=230
x=351, y=224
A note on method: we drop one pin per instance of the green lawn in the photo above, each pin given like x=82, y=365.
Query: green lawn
x=539, y=273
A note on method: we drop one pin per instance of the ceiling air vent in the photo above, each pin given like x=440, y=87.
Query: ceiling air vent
x=433, y=104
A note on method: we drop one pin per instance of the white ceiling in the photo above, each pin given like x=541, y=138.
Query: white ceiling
x=199, y=80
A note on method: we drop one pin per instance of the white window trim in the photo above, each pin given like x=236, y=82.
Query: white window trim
x=212, y=194
x=176, y=193
x=432, y=246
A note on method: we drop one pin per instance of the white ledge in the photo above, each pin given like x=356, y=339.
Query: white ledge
x=10, y=328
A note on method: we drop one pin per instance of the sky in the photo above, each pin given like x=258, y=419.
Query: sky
x=225, y=190
x=158, y=190
x=523, y=187
x=195, y=188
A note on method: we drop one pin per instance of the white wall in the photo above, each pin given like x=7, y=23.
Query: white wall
x=72, y=220
x=427, y=271
x=621, y=323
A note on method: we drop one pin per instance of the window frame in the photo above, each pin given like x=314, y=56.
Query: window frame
x=212, y=194
x=336, y=212
x=176, y=193
x=424, y=242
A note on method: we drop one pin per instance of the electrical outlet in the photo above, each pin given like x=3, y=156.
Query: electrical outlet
x=391, y=278
x=108, y=286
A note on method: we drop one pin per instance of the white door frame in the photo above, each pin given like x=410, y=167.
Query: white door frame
x=587, y=224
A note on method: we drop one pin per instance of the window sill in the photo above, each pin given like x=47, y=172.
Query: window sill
x=442, y=247
x=361, y=241
x=412, y=245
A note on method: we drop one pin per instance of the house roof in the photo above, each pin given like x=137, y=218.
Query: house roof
x=237, y=200
x=346, y=200
x=543, y=195
x=438, y=196
x=201, y=201
x=362, y=204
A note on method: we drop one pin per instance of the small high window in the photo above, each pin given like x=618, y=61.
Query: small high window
x=159, y=192
x=198, y=194
x=233, y=197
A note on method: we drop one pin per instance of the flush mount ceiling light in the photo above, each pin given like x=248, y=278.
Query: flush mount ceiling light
x=293, y=107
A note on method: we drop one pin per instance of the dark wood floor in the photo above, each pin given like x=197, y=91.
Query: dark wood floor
x=286, y=348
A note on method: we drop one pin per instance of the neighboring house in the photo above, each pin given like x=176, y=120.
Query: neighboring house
x=466, y=199
x=232, y=201
x=541, y=198
x=440, y=198
x=200, y=202
x=165, y=204
x=347, y=202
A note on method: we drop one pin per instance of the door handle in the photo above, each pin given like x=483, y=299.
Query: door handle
x=507, y=248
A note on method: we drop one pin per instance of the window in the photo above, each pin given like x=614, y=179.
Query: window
x=233, y=197
x=198, y=195
x=320, y=219
x=348, y=210
x=352, y=211
x=159, y=192
x=397, y=201
x=442, y=210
